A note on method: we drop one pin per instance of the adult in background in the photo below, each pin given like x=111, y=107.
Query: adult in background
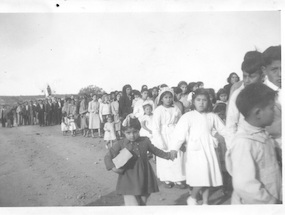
x=48, y=111
x=41, y=113
x=19, y=114
x=26, y=112
x=115, y=112
x=184, y=95
x=232, y=79
x=31, y=113
x=83, y=111
x=55, y=111
x=94, y=119
x=3, y=118
x=272, y=70
x=77, y=115
x=125, y=102
x=35, y=104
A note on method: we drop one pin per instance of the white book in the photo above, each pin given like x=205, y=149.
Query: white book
x=122, y=158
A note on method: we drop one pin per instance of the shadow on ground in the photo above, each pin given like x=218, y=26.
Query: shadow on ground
x=111, y=199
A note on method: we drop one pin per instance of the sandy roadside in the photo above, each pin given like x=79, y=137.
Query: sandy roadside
x=40, y=167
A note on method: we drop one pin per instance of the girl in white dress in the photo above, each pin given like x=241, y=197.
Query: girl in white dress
x=115, y=112
x=94, y=119
x=165, y=117
x=146, y=122
x=109, y=135
x=195, y=127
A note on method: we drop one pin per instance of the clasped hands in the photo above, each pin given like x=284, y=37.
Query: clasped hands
x=173, y=155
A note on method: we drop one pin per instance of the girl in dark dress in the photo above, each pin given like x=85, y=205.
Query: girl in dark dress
x=137, y=179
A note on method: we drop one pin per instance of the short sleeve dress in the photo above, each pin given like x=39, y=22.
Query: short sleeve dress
x=138, y=177
x=148, y=122
x=109, y=134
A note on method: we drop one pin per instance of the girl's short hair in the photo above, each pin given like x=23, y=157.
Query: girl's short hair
x=220, y=92
x=136, y=93
x=144, y=89
x=177, y=90
x=147, y=105
x=230, y=77
x=181, y=83
x=132, y=123
x=213, y=94
x=202, y=91
x=252, y=62
x=199, y=83
x=190, y=87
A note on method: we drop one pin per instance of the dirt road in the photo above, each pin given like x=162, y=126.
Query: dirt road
x=40, y=167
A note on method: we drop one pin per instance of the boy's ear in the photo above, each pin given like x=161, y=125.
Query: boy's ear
x=256, y=111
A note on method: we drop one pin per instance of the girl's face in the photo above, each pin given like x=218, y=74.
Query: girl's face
x=224, y=97
x=128, y=91
x=132, y=134
x=201, y=86
x=94, y=98
x=109, y=119
x=118, y=97
x=144, y=95
x=148, y=110
x=201, y=103
x=195, y=87
x=167, y=100
x=154, y=92
x=183, y=88
x=234, y=78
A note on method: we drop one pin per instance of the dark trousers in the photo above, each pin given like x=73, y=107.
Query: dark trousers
x=3, y=121
x=41, y=118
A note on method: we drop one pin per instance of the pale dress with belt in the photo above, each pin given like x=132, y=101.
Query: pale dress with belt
x=94, y=120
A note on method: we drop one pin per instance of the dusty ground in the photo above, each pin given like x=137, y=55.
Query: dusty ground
x=40, y=167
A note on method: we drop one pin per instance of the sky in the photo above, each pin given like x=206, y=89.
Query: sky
x=70, y=51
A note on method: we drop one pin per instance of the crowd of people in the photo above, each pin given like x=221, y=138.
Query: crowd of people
x=200, y=138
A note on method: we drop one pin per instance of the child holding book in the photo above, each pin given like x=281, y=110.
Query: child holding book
x=136, y=179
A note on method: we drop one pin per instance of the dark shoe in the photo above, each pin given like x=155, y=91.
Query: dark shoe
x=180, y=186
x=168, y=185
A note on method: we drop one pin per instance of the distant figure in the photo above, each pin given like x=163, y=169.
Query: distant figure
x=232, y=79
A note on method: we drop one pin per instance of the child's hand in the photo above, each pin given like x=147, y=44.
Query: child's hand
x=173, y=154
x=150, y=132
x=118, y=171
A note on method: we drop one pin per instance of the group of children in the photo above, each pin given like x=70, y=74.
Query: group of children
x=186, y=130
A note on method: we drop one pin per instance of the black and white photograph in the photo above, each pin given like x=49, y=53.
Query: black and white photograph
x=106, y=105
